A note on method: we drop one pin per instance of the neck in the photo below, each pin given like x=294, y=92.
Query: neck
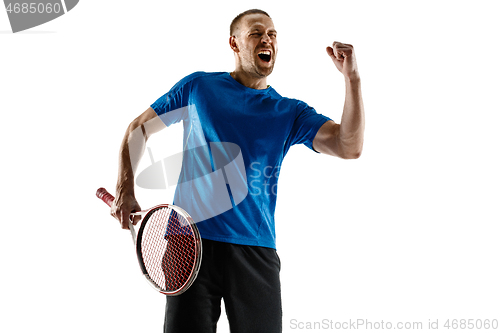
x=248, y=80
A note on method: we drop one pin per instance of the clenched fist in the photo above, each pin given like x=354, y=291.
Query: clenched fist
x=344, y=59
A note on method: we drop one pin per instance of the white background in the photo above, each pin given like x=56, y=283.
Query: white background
x=408, y=232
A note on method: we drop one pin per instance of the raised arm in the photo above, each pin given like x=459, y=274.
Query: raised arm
x=131, y=151
x=344, y=140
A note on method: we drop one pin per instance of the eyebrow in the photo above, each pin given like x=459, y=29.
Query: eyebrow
x=260, y=28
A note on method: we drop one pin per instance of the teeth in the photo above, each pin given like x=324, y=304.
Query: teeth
x=265, y=52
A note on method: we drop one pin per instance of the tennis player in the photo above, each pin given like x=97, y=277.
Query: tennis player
x=239, y=262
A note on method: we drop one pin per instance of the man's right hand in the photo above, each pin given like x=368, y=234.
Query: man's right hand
x=121, y=208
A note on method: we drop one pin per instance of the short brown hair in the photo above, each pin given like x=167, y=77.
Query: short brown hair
x=237, y=19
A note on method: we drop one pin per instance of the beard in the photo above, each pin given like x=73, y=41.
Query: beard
x=265, y=71
x=256, y=67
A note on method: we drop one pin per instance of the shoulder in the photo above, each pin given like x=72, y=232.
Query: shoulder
x=302, y=111
x=290, y=104
x=186, y=84
x=202, y=76
x=188, y=79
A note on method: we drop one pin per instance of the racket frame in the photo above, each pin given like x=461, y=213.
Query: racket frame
x=105, y=196
x=145, y=215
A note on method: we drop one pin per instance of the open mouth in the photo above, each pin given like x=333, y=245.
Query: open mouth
x=265, y=55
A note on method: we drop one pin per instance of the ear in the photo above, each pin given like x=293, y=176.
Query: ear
x=233, y=44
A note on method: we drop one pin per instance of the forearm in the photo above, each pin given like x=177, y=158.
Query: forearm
x=352, y=126
x=131, y=151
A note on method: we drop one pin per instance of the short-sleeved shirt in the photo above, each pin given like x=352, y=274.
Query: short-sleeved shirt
x=235, y=139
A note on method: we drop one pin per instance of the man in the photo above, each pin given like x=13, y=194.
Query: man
x=240, y=263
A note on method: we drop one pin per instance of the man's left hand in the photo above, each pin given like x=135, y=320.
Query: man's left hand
x=344, y=59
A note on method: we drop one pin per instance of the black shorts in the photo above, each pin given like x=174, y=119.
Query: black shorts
x=247, y=277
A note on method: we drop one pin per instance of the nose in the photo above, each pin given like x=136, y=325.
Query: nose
x=266, y=39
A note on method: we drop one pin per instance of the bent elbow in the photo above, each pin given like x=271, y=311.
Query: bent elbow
x=354, y=156
x=351, y=154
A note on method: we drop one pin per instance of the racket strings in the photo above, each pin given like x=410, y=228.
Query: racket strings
x=168, y=249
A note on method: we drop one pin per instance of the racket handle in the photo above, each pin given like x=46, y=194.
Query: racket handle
x=105, y=196
x=108, y=199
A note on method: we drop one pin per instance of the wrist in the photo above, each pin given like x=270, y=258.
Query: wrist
x=125, y=188
x=352, y=79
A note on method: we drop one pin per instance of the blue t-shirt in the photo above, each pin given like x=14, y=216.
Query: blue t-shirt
x=235, y=139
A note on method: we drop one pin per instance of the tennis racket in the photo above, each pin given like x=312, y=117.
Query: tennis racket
x=168, y=246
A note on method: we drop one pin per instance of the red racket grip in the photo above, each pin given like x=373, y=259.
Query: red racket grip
x=105, y=196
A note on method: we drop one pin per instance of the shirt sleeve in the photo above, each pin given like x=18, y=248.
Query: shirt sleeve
x=306, y=125
x=172, y=106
